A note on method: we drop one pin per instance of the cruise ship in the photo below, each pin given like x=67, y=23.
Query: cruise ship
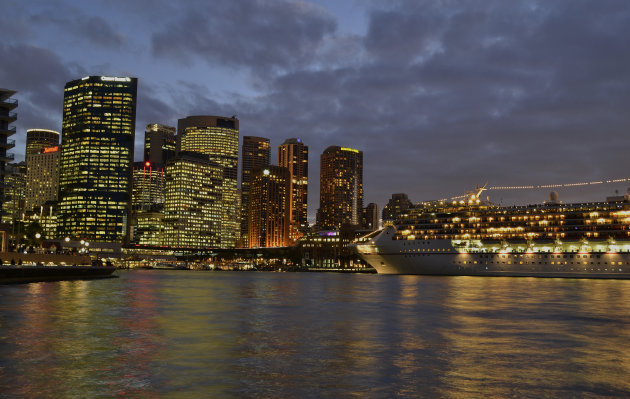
x=471, y=237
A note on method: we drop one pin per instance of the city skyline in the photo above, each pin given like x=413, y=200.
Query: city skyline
x=439, y=97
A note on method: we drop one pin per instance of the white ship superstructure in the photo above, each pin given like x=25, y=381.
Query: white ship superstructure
x=475, y=238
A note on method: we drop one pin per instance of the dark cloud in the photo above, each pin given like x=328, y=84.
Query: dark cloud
x=39, y=76
x=258, y=34
x=94, y=29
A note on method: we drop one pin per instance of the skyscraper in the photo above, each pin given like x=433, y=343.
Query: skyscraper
x=396, y=207
x=370, y=217
x=159, y=144
x=147, y=187
x=7, y=104
x=147, y=203
x=99, y=117
x=293, y=155
x=193, y=210
x=38, y=139
x=42, y=176
x=217, y=137
x=269, y=207
x=15, y=184
x=341, y=187
x=256, y=154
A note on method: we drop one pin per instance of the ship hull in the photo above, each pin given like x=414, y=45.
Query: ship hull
x=440, y=257
x=509, y=265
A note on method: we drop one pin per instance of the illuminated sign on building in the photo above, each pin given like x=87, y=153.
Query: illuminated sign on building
x=50, y=149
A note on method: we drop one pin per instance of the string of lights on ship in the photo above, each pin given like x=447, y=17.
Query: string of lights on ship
x=545, y=186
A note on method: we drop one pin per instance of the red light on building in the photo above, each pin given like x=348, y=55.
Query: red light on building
x=50, y=149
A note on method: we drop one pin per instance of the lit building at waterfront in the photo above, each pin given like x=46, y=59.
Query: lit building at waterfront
x=98, y=129
x=256, y=154
x=38, y=139
x=147, y=203
x=269, y=208
x=293, y=155
x=341, y=187
x=193, y=210
x=42, y=176
x=159, y=144
x=330, y=248
x=397, y=206
x=149, y=228
x=217, y=138
x=147, y=187
x=371, y=220
x=13, y=204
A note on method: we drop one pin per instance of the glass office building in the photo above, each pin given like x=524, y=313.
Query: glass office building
x=99, y=117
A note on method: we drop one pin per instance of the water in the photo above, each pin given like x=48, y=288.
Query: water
x=187, y=334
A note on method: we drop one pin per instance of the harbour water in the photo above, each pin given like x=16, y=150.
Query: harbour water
x=196, y=334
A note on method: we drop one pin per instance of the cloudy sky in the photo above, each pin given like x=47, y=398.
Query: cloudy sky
x=440, y=95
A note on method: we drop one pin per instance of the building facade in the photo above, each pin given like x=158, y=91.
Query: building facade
x=149, y=182
x=341, y=187
x=38, y=139
x=98, y=129
x=217, y=138
x=193, y=209
x=159, y=144
x=13, y=204
x=270, y=202
x=7, y=117
x=396, y=207
x=293, y=155
x=255, y=154
x=42, y=176
x=371, y=219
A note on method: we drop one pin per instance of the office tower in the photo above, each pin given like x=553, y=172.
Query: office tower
x=7, y=105
x=42, y=176
x=147, y=187
x=159, y=144
x=147, y=203
x=293, y=154
x=269, y=201
x=370, y=217
x=99, y=118
x=149, y=228
x=193, y=210
x=217, y=137
x=14, y=199
x=38, y=139
x=341, y=187
x=396, y=207
x=256, y=154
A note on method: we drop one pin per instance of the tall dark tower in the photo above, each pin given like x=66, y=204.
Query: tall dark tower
x=7, y=105
x=293, y=155
x=217, y=137
x=99, y=118
x=256, y=154
x=341, y=187
x=269, y=207
x=159, y=144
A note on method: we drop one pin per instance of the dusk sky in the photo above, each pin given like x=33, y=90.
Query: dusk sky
x=439, y=95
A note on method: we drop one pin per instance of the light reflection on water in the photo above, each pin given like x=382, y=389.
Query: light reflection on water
x=186, y=334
